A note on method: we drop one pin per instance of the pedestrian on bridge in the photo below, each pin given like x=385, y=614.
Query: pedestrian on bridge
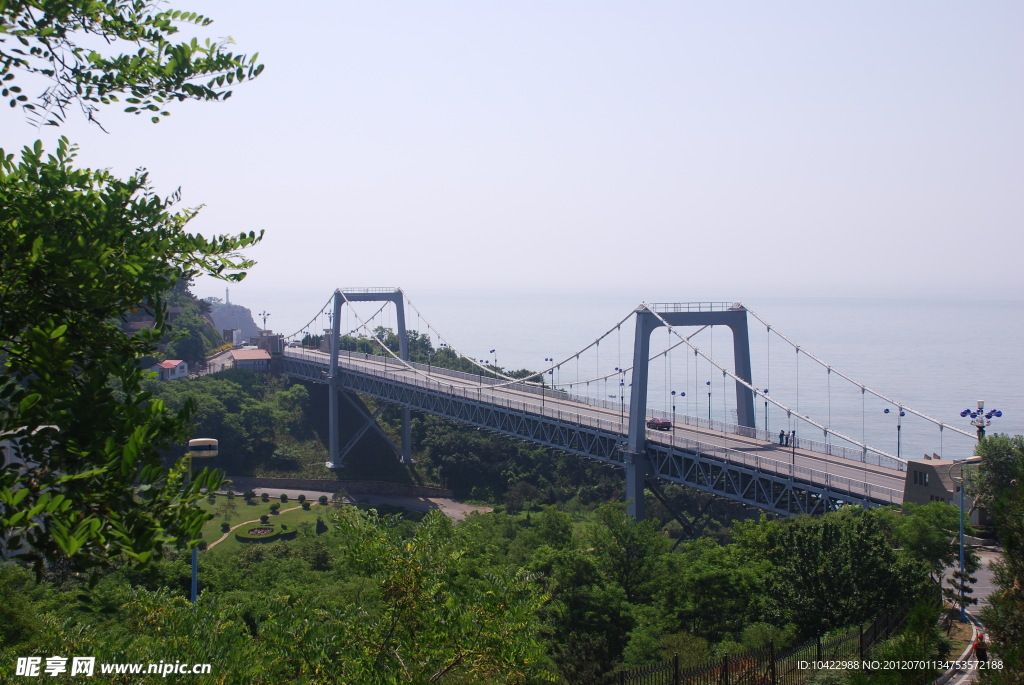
x=782, y=437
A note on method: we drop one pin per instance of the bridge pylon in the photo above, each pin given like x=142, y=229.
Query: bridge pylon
x=397, y=297
x=635, y=460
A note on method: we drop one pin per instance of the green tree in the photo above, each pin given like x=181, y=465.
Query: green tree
x=587, y=619
x=630, y=552
x=832, y=571
x=1003, y=473
x=436, y=618
x=80, y=248
x=93, y=53
x=927, y=533
x=87, y=477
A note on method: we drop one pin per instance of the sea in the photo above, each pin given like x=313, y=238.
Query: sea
x=929, y=358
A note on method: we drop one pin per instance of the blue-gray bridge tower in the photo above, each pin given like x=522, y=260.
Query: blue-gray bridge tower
x=396, y=297
x=648, y=318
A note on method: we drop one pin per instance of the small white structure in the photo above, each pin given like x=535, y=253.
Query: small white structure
x=172, y=369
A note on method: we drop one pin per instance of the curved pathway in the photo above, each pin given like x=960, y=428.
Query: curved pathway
x=223, y=537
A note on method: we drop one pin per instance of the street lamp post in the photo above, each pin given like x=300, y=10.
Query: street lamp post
x=708, y=383
x=495, y=353
x=264, y=314
x=622, y=388
x=766, y=429
x=899, y=427
x=961, y=463
x=622, y=402
x=198, y=448
x=682, y=394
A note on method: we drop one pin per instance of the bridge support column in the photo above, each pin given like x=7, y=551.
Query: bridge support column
x=638, y=469
x=638, y=466
x=334, y=436
x=403, y=352
x=397, y=298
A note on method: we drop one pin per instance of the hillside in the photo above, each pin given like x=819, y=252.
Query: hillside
x=232, y=316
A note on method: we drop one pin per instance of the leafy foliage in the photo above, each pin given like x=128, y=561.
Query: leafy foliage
x=135, y=57
x=832, y=571
x=79, y=248
x=1003, y=473
x=259, y=419
x=496, y=598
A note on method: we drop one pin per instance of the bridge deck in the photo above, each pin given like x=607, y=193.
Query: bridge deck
x=875, y=483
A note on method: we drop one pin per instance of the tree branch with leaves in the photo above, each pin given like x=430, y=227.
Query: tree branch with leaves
x=90, y=54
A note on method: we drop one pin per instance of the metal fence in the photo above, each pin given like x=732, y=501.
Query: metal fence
x=766, y=666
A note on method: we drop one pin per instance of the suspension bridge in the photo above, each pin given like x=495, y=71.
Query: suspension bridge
x=784, y=473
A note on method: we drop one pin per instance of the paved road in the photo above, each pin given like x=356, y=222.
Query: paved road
x=982, y=589
x=767, y=454
x=447, y=506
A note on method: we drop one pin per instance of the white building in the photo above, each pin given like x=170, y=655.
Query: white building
x=172, y=369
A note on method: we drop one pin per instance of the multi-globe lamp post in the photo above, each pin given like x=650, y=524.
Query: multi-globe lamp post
x=960, y=486
x=980, y=418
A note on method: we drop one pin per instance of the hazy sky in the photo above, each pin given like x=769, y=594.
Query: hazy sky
x=725, y=149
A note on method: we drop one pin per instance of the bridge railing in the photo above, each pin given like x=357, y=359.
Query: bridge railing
x=828, y=448
x=790, y=470
x=736, y=457
x=869, y=457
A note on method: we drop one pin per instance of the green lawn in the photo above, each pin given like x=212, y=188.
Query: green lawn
x=236, y=511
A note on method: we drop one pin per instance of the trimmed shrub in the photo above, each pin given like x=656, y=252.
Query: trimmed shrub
x=263, y=533
x=323, y=500
x=305, y=506
x=274, y=508
x=302, y=498
x=265, y=518
x=264, y=497
x=284, y=498
x=225, y=527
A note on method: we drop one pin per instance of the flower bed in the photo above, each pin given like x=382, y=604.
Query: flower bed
x=261, y=533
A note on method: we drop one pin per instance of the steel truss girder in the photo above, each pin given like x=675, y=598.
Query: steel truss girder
x=584, y=441
x=771, y=492
x=768, y=491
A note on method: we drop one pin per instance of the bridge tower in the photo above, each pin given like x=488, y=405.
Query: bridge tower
x=395, y=296
x=637, y=464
